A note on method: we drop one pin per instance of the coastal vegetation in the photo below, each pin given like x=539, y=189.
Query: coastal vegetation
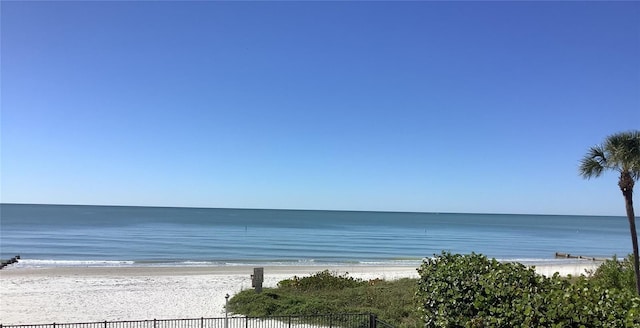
x=327, y=292
x=620, y=153
x=461, y=291
x=473, y=291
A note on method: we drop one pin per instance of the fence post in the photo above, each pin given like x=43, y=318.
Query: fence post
x=330, y=320
x=154, y=323
x=201, y=322
x=289, y=321
x=105, y=324
x=372, y=320
x=246, y=322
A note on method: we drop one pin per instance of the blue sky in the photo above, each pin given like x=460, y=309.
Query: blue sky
x=483, y=107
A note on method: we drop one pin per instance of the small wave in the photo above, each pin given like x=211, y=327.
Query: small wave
x=412, y=262
x=278, y=262
x=169, y=263
x=199, y=263
x=34, y=263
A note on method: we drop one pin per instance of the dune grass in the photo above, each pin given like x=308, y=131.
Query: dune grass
x=325, y=292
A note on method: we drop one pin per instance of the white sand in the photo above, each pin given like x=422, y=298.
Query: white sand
x=574, y=269
x=139, y=293
x=48, y=295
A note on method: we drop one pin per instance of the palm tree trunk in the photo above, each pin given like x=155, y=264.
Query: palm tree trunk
x=634, y=240
x=628, y=198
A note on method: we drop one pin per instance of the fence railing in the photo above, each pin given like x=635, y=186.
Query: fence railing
x=308, y=321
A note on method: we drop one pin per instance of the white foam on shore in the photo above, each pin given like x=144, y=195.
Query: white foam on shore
x=29, y=263
x=46, y=263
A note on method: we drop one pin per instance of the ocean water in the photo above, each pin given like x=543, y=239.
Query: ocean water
x=67, y=235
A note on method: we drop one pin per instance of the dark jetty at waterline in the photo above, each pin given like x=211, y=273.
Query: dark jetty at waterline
x=12, y=260
x=570, y=256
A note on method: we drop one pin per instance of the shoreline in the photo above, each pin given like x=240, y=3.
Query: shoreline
x=562, y=267
x=95, y=294
x=199, y=270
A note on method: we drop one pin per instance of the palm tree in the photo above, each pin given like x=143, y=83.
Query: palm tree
x=619, y=152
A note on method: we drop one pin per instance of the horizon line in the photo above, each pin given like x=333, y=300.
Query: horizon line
x=303, y=209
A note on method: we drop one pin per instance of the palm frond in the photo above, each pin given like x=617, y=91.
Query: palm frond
x=590, y=168
x=619, y=152
x=624, y=152
x=594, y=163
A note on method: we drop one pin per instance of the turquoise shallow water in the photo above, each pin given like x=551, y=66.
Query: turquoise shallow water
x=56, y=235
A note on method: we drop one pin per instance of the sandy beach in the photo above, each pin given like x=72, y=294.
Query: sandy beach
x=87, y=294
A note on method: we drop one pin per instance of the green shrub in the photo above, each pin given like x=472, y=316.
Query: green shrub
x=582, y=303
x=472, y=291
x=322, y=280
x=326, y=293
x=615, y=274
x=459, y=291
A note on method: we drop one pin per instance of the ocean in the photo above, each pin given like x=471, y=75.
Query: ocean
x=70, y=235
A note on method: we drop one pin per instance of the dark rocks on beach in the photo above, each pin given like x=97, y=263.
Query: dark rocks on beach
x=12, y=260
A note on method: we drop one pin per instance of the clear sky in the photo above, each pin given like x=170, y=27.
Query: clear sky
x=396, y=106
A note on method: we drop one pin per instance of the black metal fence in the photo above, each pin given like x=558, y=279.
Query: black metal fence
x=308, y=321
